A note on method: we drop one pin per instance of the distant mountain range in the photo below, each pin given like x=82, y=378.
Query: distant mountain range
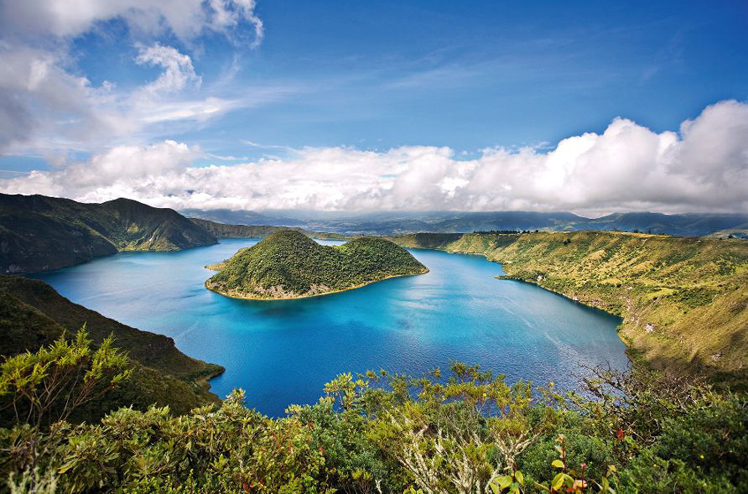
x=39, y=233
x=223, y=230
x=395, y=223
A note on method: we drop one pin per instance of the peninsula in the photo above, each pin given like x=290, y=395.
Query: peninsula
x=288, y=264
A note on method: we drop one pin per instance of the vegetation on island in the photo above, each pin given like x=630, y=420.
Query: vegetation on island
x=468, y=432
x=683, y=300
x=33, y=316
x=41, y=233
x=288, y=264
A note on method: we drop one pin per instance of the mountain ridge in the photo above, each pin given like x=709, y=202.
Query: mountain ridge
x=40, y=233
x=398, y=223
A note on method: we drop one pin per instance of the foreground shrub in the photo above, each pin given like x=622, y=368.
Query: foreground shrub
x=468, y=432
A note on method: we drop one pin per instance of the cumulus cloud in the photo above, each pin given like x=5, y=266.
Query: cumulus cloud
x=703, y=167
x=118, y=169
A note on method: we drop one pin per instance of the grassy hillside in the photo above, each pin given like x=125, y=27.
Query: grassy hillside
x=288, y=264
x=39, y=233
x=684, y=301
x=33, y=314
x=741, y=233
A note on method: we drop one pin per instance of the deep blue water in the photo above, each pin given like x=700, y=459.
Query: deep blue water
x=282, y=352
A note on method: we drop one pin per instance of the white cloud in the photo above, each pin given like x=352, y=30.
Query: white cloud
x=185, y=18
x=46, y=106
x=38, y=96
x=117, y=169
x=704, y=167
x=228, y=14
x=178, y=70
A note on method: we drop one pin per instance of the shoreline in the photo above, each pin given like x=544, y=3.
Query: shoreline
x=271, y=299
x=631, y=351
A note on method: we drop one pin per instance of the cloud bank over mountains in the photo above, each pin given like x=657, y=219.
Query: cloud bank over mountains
x=702, y=167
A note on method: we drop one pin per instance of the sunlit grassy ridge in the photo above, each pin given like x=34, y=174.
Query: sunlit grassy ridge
x=288, y=264
x=683, y=300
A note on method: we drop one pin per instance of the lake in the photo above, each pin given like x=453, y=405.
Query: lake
x=282, y=352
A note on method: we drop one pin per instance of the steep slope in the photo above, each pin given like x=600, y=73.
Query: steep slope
x=39, y=233
x=684, y=301
x=33, y=314
x=288, y=264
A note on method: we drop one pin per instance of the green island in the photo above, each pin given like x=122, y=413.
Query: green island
x=288, y=264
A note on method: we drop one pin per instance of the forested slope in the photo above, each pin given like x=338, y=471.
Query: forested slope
x=33, y=314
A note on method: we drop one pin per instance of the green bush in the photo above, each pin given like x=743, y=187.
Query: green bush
x=467, y=432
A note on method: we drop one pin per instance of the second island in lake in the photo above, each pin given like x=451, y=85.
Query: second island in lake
x=288, y=264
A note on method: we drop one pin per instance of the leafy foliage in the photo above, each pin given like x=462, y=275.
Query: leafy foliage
x=33, y=315
x=469, y=432
x=48, y=385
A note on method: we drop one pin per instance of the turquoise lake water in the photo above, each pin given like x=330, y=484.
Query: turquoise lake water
x=282, y=352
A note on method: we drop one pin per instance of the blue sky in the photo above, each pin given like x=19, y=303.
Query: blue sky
x=378, y=76
x=467, y=75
